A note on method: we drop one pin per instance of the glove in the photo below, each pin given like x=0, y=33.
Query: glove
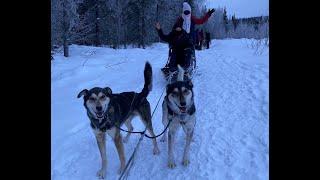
x=211, y=11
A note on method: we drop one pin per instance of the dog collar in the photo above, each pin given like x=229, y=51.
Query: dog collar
x=102, y=124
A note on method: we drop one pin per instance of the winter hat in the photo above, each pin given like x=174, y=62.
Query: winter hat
x=186, y=18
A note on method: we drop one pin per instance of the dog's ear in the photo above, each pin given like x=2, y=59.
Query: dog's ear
x=108, y=90
x=190, y=83
x=83, y=93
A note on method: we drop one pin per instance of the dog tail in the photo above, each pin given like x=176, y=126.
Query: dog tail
x=147, y=80
x=180, y=73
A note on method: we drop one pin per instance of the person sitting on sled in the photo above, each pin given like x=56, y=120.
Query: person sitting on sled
x=185, y=23
x=179, y=41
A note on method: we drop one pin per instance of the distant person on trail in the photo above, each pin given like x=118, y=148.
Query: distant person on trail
x=208, y=39
x=201, y=38
x=196, y=39
x=179, y=41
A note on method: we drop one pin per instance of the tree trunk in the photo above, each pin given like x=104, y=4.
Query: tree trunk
x=142, y=25
x=118, y=32
x=65, y=31
x=125, y=36
x=97, y=19
x=65, y=47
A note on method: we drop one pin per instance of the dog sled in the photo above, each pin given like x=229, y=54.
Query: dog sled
x=170, y=73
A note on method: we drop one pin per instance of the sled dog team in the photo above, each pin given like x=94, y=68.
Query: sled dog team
x=108, y=111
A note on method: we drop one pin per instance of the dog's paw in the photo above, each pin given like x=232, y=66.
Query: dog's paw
x=172, y=165
x=101, y=173
x=186, y=162
x=156, y=151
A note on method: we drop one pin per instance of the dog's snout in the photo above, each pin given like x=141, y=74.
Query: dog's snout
x=99, y=108
x=183, y=103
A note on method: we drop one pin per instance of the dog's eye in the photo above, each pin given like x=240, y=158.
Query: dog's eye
x=91, y=99
x=103, y=96
x=186, y=92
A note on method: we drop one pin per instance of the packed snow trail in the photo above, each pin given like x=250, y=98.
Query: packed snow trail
x=231, y=139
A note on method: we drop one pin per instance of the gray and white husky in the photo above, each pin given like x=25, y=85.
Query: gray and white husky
x=178, y=106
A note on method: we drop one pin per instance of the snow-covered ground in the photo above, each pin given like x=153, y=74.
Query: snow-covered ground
x=232, y=99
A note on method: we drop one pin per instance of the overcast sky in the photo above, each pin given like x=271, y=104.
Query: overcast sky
x=242, y=8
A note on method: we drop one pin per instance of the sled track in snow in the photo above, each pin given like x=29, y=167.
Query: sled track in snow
x=234, y=114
